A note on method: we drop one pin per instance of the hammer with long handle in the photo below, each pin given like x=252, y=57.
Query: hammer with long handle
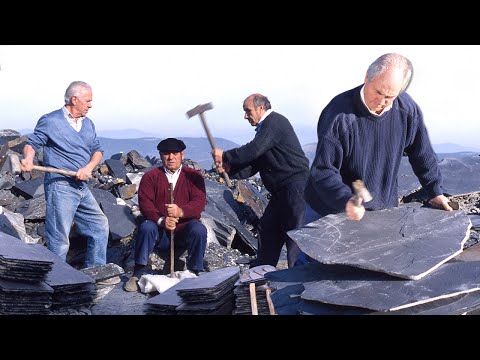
x=172, y=233
x=200, y=110
x=15, y=167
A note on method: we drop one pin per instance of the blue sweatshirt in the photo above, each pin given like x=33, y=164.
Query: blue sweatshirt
x=354, y=144
x=63, y=146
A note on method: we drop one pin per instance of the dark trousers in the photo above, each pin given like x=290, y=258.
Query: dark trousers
x=284, y=212
x=192, y=237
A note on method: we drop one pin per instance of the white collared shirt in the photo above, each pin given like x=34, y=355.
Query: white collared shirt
x=75, y=123
x=268, y=112
x=172, y=176
x=362, y=95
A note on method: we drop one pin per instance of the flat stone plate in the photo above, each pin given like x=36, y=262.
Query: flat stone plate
x=408, y=241
x=449, y=280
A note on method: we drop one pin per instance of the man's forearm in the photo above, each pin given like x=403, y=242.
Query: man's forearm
x=28, y=152
x=94, y=160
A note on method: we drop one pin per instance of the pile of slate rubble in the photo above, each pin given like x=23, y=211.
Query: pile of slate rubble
x=361, y=268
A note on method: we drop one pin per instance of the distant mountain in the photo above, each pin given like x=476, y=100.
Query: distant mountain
x=447, y=148
x=198, y=149
x=123, y=134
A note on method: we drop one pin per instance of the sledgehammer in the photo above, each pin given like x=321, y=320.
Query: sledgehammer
x=16, y=169
x=200, y=110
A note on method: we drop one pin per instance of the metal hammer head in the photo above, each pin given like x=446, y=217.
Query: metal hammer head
x=199, y=109
x=361, y=192
x=14, y=164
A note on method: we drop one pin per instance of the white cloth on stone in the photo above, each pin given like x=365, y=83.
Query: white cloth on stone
x=149, y=283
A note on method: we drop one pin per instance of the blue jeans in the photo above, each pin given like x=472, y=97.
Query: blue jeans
x=310, y=215
x=192, y=237
x=71, y=201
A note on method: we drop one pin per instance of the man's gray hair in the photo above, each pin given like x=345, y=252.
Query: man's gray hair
x=259, y=99
x=75, y=89
x=388, y=61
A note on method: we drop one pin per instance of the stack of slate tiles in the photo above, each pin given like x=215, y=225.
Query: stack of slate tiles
x=211, y=293
x=23, y=269
x=72, y=288
x=166, y=302
x=254, y=275
x=33, y=280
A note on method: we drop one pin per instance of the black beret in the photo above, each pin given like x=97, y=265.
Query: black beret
x=171, y=145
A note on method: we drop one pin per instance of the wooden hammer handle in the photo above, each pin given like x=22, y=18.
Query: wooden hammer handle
x=271, y=308
x=54, y=170
x=253, y=298
x=212, y=144
x=172, y=234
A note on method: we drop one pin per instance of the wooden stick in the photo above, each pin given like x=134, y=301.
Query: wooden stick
x=253, y=299
x=271, y=308
x=212, y=144
x=172, y=233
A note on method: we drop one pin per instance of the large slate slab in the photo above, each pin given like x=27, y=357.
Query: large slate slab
x=30, y=188
x=449, y=280
x=222, y=205
x=463, y=304
x=223, y=198
x=121, y=222
x=408, y=241
x=34, y=208
x=103, y=196
x=116, y=169
x=288, y=285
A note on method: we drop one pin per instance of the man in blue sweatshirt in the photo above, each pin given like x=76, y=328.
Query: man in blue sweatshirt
x=70, y=142
x=362, y=135
x=275, y=152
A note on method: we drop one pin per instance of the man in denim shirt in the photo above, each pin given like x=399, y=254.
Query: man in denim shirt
x=70, y=142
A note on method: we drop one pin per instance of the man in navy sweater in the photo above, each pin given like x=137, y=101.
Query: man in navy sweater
x=363, y=134
x=70, y=142
x=276, y=153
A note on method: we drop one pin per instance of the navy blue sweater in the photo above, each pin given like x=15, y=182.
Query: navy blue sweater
x=354, y=144
x=275, y=152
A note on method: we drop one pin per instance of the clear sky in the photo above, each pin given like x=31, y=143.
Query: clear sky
x=151, y=87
